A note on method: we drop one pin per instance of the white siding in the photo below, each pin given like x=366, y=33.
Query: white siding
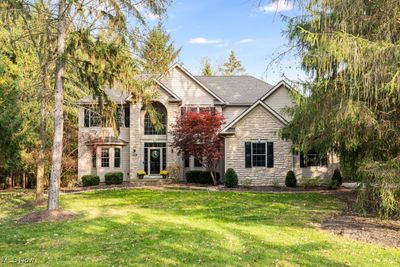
x=187, y=89
x=279, y=100
x=230, y=113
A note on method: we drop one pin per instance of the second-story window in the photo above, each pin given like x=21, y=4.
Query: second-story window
x=152, y=129
x=197, y=108
x=91, y=117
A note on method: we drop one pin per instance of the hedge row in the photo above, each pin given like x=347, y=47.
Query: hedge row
x=110, y=178
x=200, y=177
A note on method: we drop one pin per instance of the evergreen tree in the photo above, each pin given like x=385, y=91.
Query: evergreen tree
x=158, y=51
x=206, y=68
x=233, y=66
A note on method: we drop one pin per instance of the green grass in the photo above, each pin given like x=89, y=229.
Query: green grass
x=167, y=228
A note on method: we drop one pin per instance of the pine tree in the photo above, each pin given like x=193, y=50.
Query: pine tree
x=158, y=51
x=233, y=66
x=206, y=68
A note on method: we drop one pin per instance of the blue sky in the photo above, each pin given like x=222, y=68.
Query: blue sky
x=212, y=28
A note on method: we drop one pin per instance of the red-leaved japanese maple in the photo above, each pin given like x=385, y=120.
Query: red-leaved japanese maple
x=196, y=134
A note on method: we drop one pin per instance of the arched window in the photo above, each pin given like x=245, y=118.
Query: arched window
x=149, y=127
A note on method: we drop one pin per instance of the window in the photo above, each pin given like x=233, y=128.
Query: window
x=127, y=116
x=197, y=163
x=197, y=108
x=149, y=128
x=105, y=158
x=259, y=154
x=94, y=158
x=313, y=158
x=118, y=117
x=117, y=157
x=92, y=117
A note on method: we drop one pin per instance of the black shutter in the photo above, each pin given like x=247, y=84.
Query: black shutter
x=302, y=161
x=247, y=154
x=86, y=118
x=183, y=110
x=127, y=116
x=187, y=162
x=270, y=155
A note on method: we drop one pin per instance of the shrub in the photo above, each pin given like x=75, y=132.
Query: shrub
x=200, y=177
x=337, y=177
x=332, y=185
x=231, y=178
x=89, y=180
x=114, y=178
x=275, y=183
x=310, y=182
x=290, y=180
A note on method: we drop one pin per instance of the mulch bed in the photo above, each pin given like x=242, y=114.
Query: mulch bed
x=47, y=216
x=368, y=229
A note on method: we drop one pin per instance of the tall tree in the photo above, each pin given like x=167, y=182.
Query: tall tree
x=108, y=19
x=196, y=134
x=158, y=51
x=206, y=68
x=233, y=66
x=351, y=48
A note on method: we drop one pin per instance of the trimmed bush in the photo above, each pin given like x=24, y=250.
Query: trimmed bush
x=290, y=180
x=114, y=178
x=231, y=178
x=200, y=177
x=337, y=177
x=89, y=180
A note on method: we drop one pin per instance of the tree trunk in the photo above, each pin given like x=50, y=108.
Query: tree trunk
x=24, y=180
x=213, y=177
x=54, y=187
x=41, y=159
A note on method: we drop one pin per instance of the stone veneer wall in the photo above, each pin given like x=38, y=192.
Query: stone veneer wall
x=259, y=124
x=138, y=138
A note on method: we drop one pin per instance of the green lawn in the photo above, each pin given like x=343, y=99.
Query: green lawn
x=159, y=228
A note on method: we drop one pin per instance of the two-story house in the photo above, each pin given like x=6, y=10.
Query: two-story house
x=253, y=110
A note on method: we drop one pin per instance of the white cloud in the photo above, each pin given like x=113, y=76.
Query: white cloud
x=201, y=40
x=245, y=41
x=277, y=6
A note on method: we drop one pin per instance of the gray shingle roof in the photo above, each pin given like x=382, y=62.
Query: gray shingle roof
x=236, y=89
x=115, y=95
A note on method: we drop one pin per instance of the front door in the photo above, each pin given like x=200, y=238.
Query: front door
x=155, y=161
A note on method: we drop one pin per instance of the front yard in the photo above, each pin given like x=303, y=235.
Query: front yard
x=159, y=228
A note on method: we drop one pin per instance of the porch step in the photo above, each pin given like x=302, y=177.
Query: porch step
x=149, y=182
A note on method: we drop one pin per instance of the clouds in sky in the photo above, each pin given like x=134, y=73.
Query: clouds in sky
x=277, y=6
x=217, y=42
x=201, y=40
